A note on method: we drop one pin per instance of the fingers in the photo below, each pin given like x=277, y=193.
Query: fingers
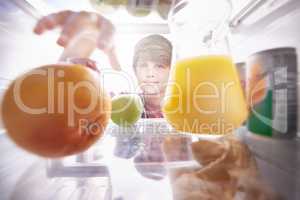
x=46, y=23
x=86, y=62
x=66, y=35
x=106, y=35
x=82, y=24
x=79, y=24
x=51, y=21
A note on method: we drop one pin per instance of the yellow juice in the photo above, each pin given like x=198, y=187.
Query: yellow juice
x=204, y=96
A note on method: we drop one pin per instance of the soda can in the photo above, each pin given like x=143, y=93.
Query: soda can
x=271, y=90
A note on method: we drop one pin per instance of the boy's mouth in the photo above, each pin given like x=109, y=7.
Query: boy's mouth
x=151, y=82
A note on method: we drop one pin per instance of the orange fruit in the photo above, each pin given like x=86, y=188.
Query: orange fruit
x=56, y=110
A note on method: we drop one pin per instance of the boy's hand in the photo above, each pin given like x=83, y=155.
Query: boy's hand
x=85, y=62
x=100, y=29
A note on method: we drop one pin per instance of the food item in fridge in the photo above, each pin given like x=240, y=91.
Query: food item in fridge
x=126, y=109
x=206, y=151
x=272, y=92
x=140, y=8
x=163, y=8
x=115, y=2
x=257, y=86
x=204, y=96
x=104, y=7
x=227, y=171
x=127, y=146
x=227, y=155
x=189, y=187
x=177, y=148
x=56, y=110
x=241, y=68
x=149, y=162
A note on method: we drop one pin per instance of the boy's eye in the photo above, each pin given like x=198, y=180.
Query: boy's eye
x=160, y=66
x=141, y=65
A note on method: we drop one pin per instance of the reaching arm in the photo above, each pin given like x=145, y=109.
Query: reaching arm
x=82, y=32
x=113, y=59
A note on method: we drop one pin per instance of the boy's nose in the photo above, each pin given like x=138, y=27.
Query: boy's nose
x=150, y=71
x=150, y=75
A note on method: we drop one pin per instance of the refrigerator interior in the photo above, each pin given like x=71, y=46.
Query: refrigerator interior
x=256, y=25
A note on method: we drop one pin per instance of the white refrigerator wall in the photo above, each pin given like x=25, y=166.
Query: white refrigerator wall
x=20, y=50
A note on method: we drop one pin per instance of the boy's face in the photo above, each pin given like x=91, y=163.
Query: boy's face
x=152, y=75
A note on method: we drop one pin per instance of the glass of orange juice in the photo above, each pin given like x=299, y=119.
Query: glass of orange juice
x=203, y=95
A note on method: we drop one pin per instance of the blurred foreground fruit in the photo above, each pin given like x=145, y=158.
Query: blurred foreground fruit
x=56, y=110
x=126, y=109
